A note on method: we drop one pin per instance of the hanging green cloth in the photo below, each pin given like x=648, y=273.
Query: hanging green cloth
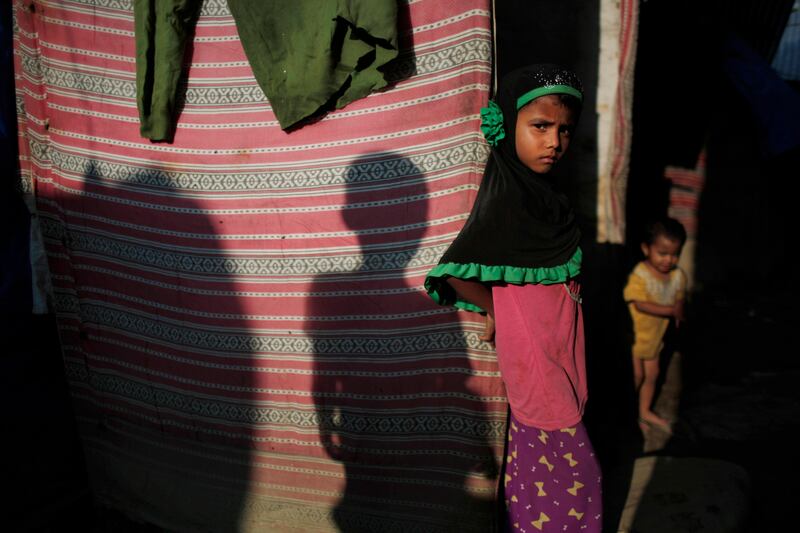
x=308, y=56
x=162, y=28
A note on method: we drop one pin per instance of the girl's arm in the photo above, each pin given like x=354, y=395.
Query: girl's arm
x=479, y=294
x=474, y=292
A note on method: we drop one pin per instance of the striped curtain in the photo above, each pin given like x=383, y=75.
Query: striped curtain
x=619, y=24
x=244, y=330
x=686, y=188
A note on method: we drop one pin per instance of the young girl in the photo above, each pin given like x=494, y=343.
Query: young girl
x=516, y=259
x=655, y=294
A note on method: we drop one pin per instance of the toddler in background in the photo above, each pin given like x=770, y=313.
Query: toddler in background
x=655, y=293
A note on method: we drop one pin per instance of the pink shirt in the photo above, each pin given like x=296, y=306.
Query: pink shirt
x=541, y=353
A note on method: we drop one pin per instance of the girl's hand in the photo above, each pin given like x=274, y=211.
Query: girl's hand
x=488, y=330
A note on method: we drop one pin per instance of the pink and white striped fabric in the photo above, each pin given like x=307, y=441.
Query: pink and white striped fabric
x=619, y=29
x=684, y=203
x=244, y=329
x=684, y=194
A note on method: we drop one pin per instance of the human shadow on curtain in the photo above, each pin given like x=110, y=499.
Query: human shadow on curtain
x=391, y=388
x=157, y=348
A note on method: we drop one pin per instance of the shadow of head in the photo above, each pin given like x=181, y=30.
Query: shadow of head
x=386, y=206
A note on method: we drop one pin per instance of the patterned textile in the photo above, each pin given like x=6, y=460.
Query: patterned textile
x=619, y=21
x=241, y=312
x=552, y=480
x=686, y=188
x=684, y=194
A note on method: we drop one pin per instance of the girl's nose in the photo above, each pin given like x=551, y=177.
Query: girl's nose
x=553, y=141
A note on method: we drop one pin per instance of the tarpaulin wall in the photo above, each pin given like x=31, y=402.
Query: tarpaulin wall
x=244, y=330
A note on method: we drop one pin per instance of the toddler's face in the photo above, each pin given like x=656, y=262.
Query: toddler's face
x=662, y=254
x=544, y=128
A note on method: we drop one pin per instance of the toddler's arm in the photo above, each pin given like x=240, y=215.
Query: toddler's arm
x=651, y=308
x=678, y=312
x=635, y=293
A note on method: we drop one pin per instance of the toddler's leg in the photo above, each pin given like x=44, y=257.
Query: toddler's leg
x=638, y=373
x=647, y=392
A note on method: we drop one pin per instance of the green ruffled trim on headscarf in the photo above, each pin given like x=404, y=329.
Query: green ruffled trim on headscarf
x=443, y=294
x=492, y=123
x=547, y=89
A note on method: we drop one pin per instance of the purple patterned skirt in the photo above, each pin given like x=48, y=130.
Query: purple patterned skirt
x=552, y=480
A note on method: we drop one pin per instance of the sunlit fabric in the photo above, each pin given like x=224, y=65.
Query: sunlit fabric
x=245, y=334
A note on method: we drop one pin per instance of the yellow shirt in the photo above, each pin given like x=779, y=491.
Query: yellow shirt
x=644, y=286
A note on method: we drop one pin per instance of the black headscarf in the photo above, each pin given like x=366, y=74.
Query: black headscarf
x=520, y=230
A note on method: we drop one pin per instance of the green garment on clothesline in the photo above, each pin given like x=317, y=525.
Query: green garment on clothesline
x=307, y=55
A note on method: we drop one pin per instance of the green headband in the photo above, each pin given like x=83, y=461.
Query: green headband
x=548, y=89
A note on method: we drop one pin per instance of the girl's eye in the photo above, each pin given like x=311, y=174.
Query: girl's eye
x=540, y=127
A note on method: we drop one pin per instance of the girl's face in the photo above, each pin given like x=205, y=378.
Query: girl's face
x=544, y=128
x=662, y=254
